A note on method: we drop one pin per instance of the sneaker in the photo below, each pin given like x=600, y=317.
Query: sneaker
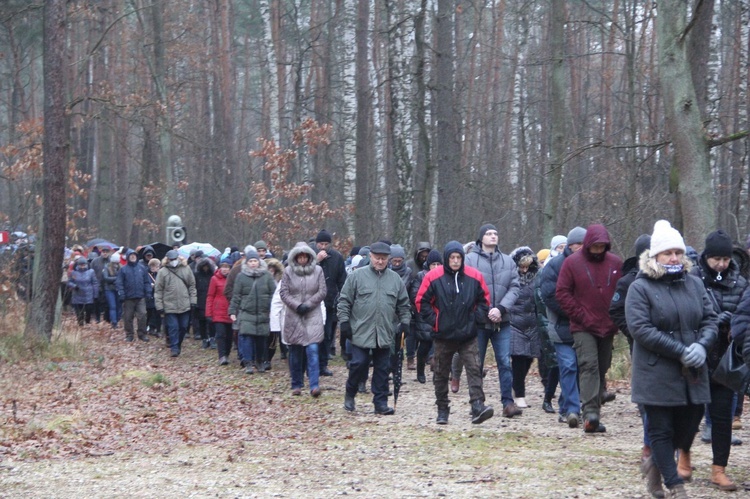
x=481, y=413
x=212, y=343
x=206, y=344
x=223, y=361
x=267, y=366
x=511, y=410
x=175, y=353
x=249, y=369
x=442, y=415
x=736, y=440
x=562, y=418
x=521, y=403
x=572, y=420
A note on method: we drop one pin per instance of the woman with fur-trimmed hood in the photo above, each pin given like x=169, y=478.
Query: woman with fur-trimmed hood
x=674, y=325
x=303, y=288
x=525, y=344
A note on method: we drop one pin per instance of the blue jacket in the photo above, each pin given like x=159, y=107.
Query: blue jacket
x=132, y=280
x=83, y=283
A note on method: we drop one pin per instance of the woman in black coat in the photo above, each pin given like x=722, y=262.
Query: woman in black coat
x=725, y=285
x=674, y=325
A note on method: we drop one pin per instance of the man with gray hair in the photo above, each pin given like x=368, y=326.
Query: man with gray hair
x=368, y=302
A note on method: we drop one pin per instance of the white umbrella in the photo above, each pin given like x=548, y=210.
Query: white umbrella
x=206, y=248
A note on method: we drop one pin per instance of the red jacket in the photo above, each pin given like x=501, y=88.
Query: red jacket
x=586, y=285
x=217, y=306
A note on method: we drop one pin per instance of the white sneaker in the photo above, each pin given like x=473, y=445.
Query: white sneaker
x=521, y=403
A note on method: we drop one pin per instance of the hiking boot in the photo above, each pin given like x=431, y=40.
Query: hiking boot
x=480, y=412
x=591, y=424
x=420, y=371
x=678, y=492
x=684, y=468
x=410, y=364
x=223, y=361
x=572, y=420
x=349, y=404
x=212, y=343
x=511, y=410
x=249, y=369
x=442, y=415
x=605, y=397
x=326, y=372
x=206, y=344
x=736, y=423
x=315, y=392
x=547, y=406
x=720, y=479
x=175, y=352
x=650, y=472
x=297, y=392
x=384, y=410
x=267, y=365
x=455, y=385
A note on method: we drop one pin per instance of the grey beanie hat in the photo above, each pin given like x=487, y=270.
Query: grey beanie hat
x=576, y=235
x=397, y=251
x=250, y=248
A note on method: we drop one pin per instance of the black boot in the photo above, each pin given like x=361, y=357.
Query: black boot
x=420, y=371
x=349, y=404
x=442, y=417
x=480, y=412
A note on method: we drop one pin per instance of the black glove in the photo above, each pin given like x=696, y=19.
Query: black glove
x=403, y=328
x=303, y=308
x=725, y=317
x=346, y=330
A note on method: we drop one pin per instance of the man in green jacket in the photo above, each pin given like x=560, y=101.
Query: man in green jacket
x=369, y=301
x=174, y=295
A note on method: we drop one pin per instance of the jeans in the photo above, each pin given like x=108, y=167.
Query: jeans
x=358, y=368
x=594, y=355
x=297, y=354
x=671, y=428
x=500, y=339
x=442, y=359
x=223, y=338
x=114, y=305
x=570, y=400
x=252, y=348
x=134, y=308
x=177, y=327
x=329, y=330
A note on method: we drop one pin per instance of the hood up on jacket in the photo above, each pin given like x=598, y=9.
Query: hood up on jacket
x=450, y=248
x=519, y=254
x=421, y=246
x=595, y=234
x=309, y=267
x=205, y=264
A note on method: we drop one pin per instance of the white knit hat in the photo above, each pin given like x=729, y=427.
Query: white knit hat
x=665, y=237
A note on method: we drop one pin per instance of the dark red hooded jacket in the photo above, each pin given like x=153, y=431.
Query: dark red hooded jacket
x=586, y=285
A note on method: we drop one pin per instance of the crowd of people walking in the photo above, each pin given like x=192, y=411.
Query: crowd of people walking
x=680, y=311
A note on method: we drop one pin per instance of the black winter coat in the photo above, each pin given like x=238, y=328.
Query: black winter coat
x=559, y=324
x=666, y=314
x=422, y=329
x=617, y=306
x=725, y=293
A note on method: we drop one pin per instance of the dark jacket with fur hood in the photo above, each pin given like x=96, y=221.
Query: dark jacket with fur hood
x=667, y=313
x=303, y=284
